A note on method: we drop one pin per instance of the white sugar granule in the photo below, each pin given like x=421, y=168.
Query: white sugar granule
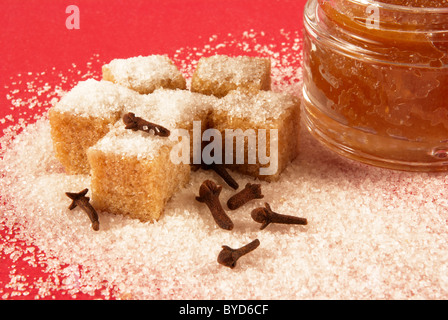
x=371, y=233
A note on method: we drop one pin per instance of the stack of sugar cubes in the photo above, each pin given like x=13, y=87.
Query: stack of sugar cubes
x=132, y=171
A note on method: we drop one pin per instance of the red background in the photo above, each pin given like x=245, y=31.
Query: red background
x=34, y=38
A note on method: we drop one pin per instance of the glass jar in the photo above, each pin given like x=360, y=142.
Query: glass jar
x=376, y=81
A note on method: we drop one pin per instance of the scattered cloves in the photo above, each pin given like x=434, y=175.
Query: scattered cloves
x=228, y=256
x=79, y=199
x=209, y=194
x=266, y=216
x=250, y=192
x=223, y=173
x=136, y=123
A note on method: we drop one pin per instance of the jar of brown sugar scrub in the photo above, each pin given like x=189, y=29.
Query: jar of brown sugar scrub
x=376, y=80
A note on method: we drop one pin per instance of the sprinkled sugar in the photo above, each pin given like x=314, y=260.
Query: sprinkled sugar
x=239, y=69
x=96, y=98
x=371, y=233
x=169, y=108
x=125, y=142
x=144, y=74
x=269, y=105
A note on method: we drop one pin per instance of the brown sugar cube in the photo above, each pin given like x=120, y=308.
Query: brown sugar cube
x=260, y=132
x=82, y=117
x=219, y=74
x=144, y=74
x=132, y=173
x=178, y=109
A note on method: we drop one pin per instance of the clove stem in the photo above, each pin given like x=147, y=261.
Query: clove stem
x=79, y=199
x=228, y=256
x=266, y=216
x=223, y=173
x=250, y=192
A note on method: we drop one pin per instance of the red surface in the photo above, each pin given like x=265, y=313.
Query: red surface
x=34, y=38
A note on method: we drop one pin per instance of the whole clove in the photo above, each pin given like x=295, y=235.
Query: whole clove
x=79, y=199
x=228, y=256
x=136, y=123
x=266, y=216
x=209, y=194
x=223, y=173
x=250, y=192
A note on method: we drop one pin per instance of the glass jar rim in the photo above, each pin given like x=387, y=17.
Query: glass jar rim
x=358, y=42
x=392, y=16
x=400, y=8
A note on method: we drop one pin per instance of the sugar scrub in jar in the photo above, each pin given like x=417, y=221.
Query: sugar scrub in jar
x=376, y=80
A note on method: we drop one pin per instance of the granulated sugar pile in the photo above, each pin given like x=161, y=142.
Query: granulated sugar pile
x=371, y=233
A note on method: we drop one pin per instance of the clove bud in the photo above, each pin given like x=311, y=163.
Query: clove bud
x=209, y=194
x=136, y=123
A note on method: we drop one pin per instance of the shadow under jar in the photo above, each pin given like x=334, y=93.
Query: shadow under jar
x=376, y=80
